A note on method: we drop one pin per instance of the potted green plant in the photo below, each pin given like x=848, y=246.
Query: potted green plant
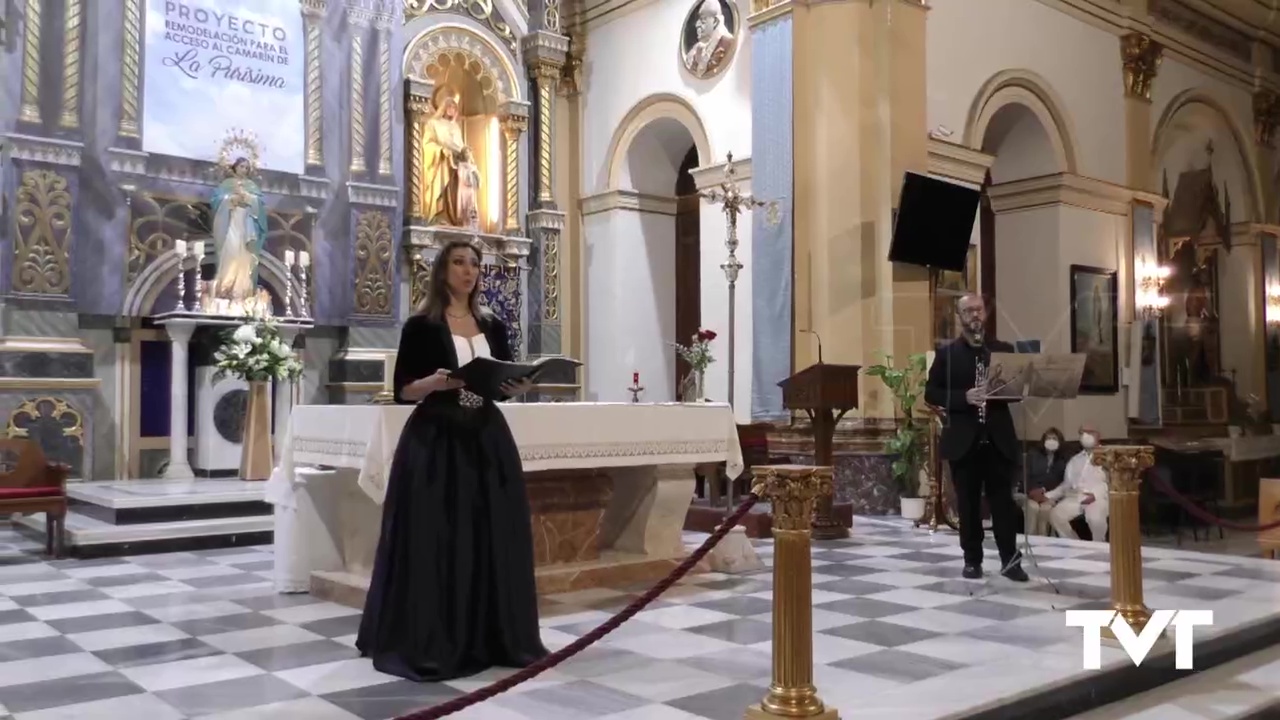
x=908, y=444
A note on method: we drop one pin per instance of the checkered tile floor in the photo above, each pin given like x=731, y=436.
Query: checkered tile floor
x=898, y=635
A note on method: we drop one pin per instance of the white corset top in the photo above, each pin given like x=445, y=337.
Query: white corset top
x=470, y=348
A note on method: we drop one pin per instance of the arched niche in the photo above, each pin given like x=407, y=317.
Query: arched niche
x=1032, y=95
x=141, y=297
x=662, y=123
x=474, y=64
x=1196, y=129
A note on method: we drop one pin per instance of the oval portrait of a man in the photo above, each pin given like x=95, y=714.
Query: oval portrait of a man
x=709, y=37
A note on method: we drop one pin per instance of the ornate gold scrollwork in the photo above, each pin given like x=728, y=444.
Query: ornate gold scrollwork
x=551, y=275
x=374, y=253
x=130, y=69
x=792, y=492
x=40, y=252
x=570, y=84
x=481, y=10
x=420, y=278
x=1141, y=57
x=154, y=224
x=49, y=409
x=71, y=65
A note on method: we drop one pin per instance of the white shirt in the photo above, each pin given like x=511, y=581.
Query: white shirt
x=470, y=348
x=1081, y=477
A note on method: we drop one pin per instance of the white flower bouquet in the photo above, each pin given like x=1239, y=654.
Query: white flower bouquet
x=255, y=352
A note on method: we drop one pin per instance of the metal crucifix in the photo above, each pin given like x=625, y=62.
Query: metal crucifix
x=730, y=197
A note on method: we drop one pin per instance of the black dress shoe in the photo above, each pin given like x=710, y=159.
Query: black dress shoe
x=972, y=572
x=1015, y=572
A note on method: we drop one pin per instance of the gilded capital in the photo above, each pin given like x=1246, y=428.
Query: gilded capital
x=1124, y=465
x=1141, y=57
x=1266, y=116
x=792, y=491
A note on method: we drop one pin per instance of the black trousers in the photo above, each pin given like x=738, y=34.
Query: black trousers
x=984, y=468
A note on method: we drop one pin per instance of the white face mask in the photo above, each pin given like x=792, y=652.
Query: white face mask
x=1088, y=442
x=1051, y=445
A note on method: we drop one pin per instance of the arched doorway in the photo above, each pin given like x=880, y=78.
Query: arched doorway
x=642, y=258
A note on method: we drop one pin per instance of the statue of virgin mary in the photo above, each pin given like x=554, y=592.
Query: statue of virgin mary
x=239, y=233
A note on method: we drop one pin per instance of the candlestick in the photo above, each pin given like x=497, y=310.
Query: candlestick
x=636, y=388
x=180, y=247
x=288, y=283
x=303, y=297
x=304, y=258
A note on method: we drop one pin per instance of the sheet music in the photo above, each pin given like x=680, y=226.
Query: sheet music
x=1013, y=376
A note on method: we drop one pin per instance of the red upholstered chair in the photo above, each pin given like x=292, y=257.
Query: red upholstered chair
x=30, y=484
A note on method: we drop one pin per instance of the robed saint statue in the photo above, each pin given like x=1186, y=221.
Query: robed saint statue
x=450, y=178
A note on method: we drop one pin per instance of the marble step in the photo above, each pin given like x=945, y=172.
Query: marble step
x=1243, y=689
x=88, y=537
x=131, y=502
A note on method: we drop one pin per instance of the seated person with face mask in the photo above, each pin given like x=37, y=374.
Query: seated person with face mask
x=1083, y=492
x=1045, y=469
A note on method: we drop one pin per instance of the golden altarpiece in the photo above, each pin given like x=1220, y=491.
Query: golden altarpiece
x=473, y=123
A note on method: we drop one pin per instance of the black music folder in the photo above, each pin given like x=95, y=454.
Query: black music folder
x=486, y=376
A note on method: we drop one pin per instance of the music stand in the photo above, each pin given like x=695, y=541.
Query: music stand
x=1045, y=376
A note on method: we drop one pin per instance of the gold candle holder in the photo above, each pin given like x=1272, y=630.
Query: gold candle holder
x=792, y=490
x=1124, y=465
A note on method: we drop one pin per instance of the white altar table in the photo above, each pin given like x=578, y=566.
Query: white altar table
x=626, y=471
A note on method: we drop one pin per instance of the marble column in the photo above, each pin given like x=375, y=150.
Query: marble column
x=840, y=187
x=313, y=12
x=179, y=401
x=544, y=52
x=32, y=22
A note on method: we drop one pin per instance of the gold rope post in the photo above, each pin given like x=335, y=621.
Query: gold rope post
x=792, y=490
x=1124, y=465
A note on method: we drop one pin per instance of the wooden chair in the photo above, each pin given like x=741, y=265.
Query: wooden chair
x=31, y=484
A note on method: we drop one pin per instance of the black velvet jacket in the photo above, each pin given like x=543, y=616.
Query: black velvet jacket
x=953, y=373
x=426, y=346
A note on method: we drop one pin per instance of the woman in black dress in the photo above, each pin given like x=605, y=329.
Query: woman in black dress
x=452, y=592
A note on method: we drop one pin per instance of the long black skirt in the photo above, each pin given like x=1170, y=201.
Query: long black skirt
x=453, y=592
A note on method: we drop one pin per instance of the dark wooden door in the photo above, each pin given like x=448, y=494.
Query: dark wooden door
x=688, y=261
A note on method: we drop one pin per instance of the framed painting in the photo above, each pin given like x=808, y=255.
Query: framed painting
x=1094, y=331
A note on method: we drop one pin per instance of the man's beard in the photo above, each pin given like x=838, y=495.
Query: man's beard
x=974, y=332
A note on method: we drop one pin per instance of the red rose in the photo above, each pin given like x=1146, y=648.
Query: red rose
x=706, y=335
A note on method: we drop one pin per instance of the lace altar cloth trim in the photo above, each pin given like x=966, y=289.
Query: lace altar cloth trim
x=550, y=437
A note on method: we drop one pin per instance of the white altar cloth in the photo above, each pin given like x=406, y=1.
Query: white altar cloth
x=550, y=436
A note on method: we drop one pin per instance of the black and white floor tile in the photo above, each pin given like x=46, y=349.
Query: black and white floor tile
x=897, y=635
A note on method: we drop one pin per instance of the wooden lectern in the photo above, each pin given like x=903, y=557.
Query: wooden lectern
x=825, y=393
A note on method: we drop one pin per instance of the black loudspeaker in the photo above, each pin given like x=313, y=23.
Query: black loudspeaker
x=934, y=223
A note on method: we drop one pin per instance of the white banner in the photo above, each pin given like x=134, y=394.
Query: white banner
x=211, y=69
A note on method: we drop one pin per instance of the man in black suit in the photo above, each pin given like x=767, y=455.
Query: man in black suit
x=978, y=440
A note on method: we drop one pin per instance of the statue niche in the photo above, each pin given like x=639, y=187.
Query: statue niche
x=455, y=147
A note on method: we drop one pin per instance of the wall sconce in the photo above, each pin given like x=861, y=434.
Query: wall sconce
x=1273, y=304
x=1150, y=298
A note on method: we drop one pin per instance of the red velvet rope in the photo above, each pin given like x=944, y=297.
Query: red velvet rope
x=582, y=643
x=1163, y=485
